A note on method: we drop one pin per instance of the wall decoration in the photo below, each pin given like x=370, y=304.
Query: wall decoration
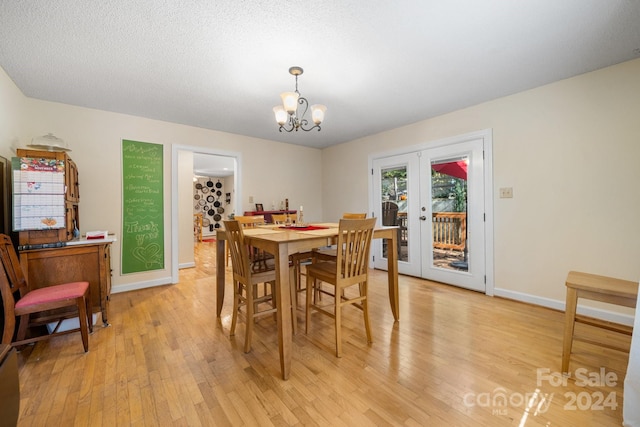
x=205, y=189
x=142, y=207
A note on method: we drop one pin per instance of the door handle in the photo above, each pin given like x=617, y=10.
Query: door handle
x=423, y=218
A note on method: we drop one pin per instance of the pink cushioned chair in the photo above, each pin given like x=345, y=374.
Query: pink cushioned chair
x=13, y=284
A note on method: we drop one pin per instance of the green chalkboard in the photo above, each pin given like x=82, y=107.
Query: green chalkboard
x=142, y=207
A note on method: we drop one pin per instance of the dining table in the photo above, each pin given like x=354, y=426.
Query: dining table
x=282, y=241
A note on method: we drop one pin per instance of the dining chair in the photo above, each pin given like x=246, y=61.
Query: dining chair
x=282, y=218
x=19, y=301
x=245, y=283
x=390, y=217
x=348, y=274
x=296, y=260
x=258, y=258
x=329, y=253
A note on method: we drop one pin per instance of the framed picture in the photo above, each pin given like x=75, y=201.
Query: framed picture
x=259, y=207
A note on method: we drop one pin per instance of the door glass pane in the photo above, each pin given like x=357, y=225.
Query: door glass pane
x=449, y=213
x=394, y=207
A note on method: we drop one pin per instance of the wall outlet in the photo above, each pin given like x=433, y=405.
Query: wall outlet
x=506, y=193
x=250, y=199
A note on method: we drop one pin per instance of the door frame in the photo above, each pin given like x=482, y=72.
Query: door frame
x=487, y=137
x=175, y=148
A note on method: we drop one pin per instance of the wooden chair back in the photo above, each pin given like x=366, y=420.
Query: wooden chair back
x=354, y=244
x=248, y=221
x=389, y=213
x=352, y=215
x=239, y=251
x=12, y=284
x=282, y=218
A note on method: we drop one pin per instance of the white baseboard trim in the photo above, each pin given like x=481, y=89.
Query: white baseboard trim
x=598, y=313
x=141, y=285
x=186, y=265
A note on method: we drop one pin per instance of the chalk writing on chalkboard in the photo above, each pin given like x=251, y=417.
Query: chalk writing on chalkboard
x=142, y=207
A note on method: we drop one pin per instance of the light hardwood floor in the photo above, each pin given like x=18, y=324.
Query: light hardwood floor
x=455, y=358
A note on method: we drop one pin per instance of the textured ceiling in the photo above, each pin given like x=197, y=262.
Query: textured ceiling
x=375, y=64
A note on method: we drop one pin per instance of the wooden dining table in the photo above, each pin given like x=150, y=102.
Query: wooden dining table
x=282, y=242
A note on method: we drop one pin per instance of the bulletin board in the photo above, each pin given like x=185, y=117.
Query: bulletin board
x=142, y=207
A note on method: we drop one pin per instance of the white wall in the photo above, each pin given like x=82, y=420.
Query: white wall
x=12, y=115
x=95, y=140
x=570, y=151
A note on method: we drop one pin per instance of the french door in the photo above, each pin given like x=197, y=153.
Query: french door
x=440, y=197
x=397, y=184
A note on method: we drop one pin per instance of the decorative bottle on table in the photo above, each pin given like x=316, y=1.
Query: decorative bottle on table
x=300, y=217
x=286, y=208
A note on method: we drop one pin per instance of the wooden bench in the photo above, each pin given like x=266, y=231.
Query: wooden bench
x=597, y=288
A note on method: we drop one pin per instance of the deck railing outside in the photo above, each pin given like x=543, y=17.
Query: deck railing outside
x=449, y=230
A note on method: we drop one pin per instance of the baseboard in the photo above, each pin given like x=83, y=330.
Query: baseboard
x=140, y=285
x=598, y=313
x=186, y=265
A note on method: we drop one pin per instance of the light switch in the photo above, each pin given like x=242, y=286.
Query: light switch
x=506, y=193
x=250, y=199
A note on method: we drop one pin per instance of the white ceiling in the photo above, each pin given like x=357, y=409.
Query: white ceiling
x=212, y=166
x=375, y=64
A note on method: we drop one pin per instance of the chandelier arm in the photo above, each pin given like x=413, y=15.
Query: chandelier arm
x=303, y=101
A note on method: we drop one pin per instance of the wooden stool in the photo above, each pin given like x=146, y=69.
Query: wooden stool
x=597, y=288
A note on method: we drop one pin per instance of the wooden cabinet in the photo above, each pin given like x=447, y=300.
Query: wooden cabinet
x=86, y=261
x=72, y=199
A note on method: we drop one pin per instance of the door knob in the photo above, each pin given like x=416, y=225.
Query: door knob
x=423, y=218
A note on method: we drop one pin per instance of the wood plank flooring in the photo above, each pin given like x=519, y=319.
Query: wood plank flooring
x=455, y=358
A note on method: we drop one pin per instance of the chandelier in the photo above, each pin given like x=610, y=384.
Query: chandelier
x=287, y=114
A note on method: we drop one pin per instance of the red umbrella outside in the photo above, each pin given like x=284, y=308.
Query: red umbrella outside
x=456, y=169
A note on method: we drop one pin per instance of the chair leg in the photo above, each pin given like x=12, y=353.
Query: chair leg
x=84, y=327
x=338, y=320
x=294, y=300
x=22, y=327
x=311, y=285
x=365, y=311
x=569, y=325
x=237, y=289
x=89, y=310
x=250, y=293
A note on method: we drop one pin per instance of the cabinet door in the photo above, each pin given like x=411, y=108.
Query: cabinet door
x=71, y=180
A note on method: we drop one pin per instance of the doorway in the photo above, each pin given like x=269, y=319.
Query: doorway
x=440, y=197
x=182, y=172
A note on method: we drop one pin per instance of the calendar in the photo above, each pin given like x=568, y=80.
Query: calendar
x=38, y=193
